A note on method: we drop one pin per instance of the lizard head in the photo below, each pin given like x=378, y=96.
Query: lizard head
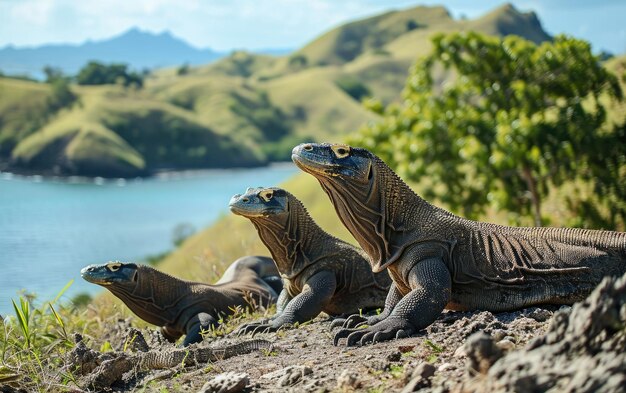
x=260, y=202
x=361, y=187
x=334, y=160
x=111, y=273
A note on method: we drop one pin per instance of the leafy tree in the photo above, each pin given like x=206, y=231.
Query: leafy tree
x=53, y=73
x=95, y=73
x=183, y=69
x=298, y=61
x=511, y=119
x=61, y=96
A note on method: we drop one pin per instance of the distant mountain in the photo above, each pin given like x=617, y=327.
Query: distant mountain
x=139, y=49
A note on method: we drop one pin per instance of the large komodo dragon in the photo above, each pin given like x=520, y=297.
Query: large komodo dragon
x=185, y=307
x=438, y=260
x=319, y=271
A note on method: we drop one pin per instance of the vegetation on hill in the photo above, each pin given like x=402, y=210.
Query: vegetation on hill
x=260, y=105
x=95, y=73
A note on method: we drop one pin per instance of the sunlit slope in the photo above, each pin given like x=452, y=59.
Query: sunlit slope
x=227, y=104
x=347, y=42
x=23, y=109
x=319, y=108
x=117, y=132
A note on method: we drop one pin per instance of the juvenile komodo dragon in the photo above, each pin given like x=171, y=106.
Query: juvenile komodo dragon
x=101, y=370
x=319, y=271
x=185, y=307
x=438, y=260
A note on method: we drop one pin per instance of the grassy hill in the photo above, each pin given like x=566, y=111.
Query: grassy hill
x=240, y=111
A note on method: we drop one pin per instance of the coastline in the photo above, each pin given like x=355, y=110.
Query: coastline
x=158, y=174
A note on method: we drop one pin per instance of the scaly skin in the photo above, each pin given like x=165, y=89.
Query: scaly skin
x=113, y=369
x=438, y=260
x=319, y=271
x=183, y=307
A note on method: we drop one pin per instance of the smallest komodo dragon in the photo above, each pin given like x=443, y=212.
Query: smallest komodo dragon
x=319, y=271
x=185, y=307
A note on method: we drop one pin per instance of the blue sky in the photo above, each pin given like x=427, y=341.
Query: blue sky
x=260, y=24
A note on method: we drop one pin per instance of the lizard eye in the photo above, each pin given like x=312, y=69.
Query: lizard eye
x=114, y=266
x=341, y=151
x=266, y=195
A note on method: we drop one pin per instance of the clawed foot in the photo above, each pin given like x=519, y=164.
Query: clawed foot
x=353, y=321
x=259, y=327
x=385, y=330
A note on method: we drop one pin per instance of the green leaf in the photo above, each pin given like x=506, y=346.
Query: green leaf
x=65, y=288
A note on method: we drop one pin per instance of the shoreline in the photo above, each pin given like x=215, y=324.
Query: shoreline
x=165, y=174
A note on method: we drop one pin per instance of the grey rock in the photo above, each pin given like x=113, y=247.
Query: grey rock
x=506, y=345
x=289, y=375
x=394, y=356
x=539, y=314
x=348, y=379
x=482, y=352
x=583, y=350
x=229, y=382
x=420, y=378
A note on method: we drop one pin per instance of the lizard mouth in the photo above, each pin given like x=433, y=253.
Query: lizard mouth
x=314, y=167
x=252, y=213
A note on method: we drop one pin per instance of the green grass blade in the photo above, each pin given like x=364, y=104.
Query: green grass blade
x=22, y=320
x=65, y=288
x=57, y=317
x=25, y=308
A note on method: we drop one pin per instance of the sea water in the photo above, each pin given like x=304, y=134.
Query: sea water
x=51, y=228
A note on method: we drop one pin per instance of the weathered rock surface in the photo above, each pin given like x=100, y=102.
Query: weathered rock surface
x=229, y=382
x=584, y=349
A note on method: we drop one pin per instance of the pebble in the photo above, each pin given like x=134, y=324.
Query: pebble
x=506, y=345
x=348, y=380
x=540, y=315
x=498, y=334
x=460, y=352
x=444, y=367
x=420, y=377
x=394, y=356
x=289, y=375
x=229, y=382
x=482, y=352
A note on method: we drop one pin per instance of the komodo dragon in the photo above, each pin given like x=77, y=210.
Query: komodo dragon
x=438, y=260
x=101, y=370
x=185, y=307
x=319, y=271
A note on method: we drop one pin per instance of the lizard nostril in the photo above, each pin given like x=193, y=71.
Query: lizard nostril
x=307, y=147
x=245, y=200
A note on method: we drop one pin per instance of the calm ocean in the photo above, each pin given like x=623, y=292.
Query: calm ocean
x=50, y=229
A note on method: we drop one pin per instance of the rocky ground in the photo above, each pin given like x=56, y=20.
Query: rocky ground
x=579, y=349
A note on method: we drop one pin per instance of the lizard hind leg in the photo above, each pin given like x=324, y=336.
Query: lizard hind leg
x=431, y=284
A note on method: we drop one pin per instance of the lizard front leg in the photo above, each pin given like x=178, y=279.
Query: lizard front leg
x=430, y=285
x=356, y=320
x=315, y=295
x=283, y=299
x=196, y=325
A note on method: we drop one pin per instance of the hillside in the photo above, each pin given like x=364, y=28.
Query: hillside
x=245, y=109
